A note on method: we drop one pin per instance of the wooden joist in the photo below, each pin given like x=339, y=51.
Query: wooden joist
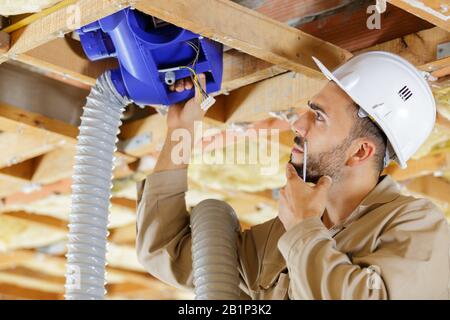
x=291, y=90
x=54, y=165
x=435, y=11
x=420, y=167
x=57, y=24
x=15, y=178
x=418, y=48
x=433, y=187
x=59, y=187
x=248, y=31
x=43, y=275
x=64, y=57
x=204, y=18
x=29, y=135
x=12, y=292
x=13, y=119
x=347, y=27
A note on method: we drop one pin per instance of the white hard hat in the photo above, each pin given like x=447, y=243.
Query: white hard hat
x=394, y=94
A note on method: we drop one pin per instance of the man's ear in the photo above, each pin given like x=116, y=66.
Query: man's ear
x=361, y=151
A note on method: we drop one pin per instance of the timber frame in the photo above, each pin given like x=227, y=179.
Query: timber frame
x=267, y=68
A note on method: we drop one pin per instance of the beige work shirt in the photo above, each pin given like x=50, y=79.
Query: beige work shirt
x=391, y=247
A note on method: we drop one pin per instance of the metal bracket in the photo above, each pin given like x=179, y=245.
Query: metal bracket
x=443, y=50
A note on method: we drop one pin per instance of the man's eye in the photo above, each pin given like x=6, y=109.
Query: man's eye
x=319, y=116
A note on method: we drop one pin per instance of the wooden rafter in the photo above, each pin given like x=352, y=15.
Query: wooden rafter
x=420, y=167
x=435, y=11
x=56, y=24
x=43, y=276
x=30, y=135
x=63, y=57
x=248, y=31
x=296, y=46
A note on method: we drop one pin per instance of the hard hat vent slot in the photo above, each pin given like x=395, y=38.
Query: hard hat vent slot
x=405, y=93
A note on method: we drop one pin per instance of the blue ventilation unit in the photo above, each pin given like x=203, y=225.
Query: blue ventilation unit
x=150, y=52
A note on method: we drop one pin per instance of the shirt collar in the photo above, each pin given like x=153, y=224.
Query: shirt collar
x=386, y=190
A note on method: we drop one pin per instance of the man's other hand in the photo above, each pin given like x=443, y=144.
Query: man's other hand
x=299, y=201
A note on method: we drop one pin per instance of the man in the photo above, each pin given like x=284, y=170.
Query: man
x=352, y=235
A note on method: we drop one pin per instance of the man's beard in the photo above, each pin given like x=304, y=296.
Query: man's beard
x=328, y=163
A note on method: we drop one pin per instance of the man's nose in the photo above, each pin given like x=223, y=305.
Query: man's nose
x=303, y=123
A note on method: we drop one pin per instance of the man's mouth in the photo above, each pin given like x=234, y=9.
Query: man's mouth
x=297, y=149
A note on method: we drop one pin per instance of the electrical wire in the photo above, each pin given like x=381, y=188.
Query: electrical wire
x=194, y=76
x=34, y=17
x=191, y=68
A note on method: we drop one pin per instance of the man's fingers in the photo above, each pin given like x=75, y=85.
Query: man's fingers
x=188, y=84
x=179, y=85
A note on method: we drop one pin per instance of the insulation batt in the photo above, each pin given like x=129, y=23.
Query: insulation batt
x=13, y=7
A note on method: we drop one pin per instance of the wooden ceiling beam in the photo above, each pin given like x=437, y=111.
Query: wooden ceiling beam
x=420, y=167
x=435, y=11
x=419, y=48
x=29, y=135
x=27, y=269
x=430, y=186
x=16, y=292
x=347, y=26
x=248, y=31
x=64, y=58
x=56, y=24
x=295, y=51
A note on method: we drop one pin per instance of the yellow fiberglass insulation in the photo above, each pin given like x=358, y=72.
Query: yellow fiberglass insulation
x=440, y=137
x=14, y=7
x=249, y=177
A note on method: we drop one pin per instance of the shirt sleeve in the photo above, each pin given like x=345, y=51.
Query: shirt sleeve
x=163, y=240
x=410, y=262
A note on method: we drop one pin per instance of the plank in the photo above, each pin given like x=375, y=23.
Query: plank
x=57, y=24
x=433, y=187
x=419, y=167
x=419, y=48
x=10, y=292
x=434, y=11
x=15, y=178
x=64, y=58
x=248, y=31
x=347, y=27
x=254, y=102
x=53, y=132
x=54, y=166
x=19, y=147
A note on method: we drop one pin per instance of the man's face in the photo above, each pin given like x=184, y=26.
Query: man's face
x=326, y=127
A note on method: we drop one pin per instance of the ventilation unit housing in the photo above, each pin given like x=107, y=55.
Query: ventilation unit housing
x=145, y=47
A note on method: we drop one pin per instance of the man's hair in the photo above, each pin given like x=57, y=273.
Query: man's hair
x=366, y=128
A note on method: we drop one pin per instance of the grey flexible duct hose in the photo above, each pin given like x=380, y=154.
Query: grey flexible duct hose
x=214, y=228
x=91, y=191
